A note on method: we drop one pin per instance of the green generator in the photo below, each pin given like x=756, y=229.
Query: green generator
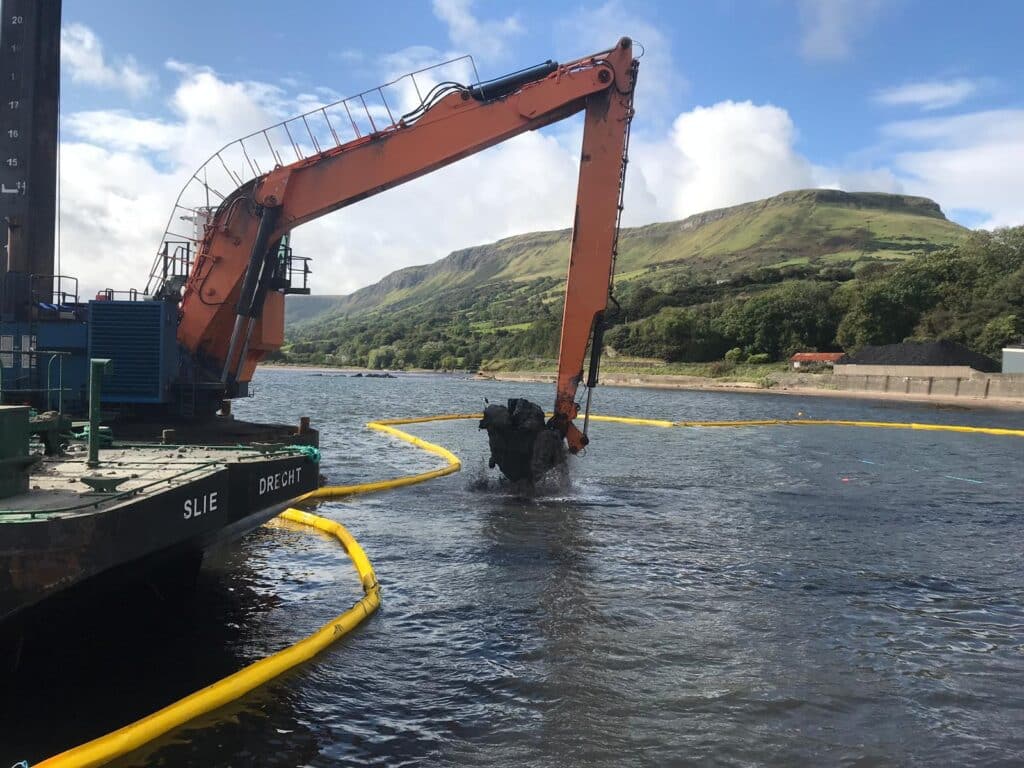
x=14, y=458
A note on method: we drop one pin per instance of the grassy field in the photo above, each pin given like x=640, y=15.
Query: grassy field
x=486, y=326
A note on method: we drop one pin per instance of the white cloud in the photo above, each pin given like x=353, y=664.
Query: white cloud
x=830, y=27
x=956, y=130
x=597, y=28
x=121, y=173
x=973, y=161
x=858, y=179
x=722, y=155
x=82, y=54
x=114, y=204
x=349, y=55
x=523, y=185
x=488, y=39
x=428, y=64
x=469, y=37
x=120, y=130
x=213, y=111
x=929, y=95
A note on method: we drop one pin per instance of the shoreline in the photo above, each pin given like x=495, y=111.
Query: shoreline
x=695, y=384
x=701, y=384
x=349, y=370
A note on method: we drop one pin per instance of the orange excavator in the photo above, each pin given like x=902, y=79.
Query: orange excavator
x=233, y=276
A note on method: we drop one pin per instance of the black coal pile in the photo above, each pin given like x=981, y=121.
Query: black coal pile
x=523, y=447
x=921, y=353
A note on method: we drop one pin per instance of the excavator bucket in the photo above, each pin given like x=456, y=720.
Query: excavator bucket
x=522, y=445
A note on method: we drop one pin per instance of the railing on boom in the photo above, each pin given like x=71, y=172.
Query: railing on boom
x=312, y=133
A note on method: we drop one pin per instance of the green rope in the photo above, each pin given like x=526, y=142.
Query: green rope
x=308, y=450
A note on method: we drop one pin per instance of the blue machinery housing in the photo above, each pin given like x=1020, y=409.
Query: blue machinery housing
x=139, y=338
x=44, y=357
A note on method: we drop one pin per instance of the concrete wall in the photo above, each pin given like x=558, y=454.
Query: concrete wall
x=977, y=385
x=1006, y=385
x=913, y=371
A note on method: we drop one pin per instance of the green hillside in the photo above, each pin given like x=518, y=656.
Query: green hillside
x=828, y=227
x=804, y=270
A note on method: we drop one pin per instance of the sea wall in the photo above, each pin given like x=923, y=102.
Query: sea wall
x=929, y=381
x=908, y=371
x=980, y=389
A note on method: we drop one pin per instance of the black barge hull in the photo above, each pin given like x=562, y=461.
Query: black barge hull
x=43, y=553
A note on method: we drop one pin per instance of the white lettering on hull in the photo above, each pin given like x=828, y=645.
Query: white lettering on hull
x=199, y=506
x=279, y=480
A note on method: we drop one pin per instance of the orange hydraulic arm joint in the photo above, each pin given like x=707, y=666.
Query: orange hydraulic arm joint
x=231, y=313
x=594, y=240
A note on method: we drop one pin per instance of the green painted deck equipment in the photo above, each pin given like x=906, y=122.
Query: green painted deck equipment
x=14, y=458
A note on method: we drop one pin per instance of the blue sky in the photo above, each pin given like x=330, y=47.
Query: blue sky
x=737, y=101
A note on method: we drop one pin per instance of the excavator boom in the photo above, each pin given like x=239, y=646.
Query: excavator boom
x=231, y=315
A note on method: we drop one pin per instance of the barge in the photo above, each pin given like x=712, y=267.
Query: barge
x=178, y=474
x=137, y=508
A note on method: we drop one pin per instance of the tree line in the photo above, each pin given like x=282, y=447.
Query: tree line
x=972, y=293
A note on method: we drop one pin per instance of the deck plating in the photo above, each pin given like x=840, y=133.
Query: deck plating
x=172, y=501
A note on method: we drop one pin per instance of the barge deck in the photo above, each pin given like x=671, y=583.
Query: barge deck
x=144, y=504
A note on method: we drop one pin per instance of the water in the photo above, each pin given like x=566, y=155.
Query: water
x=776, y=596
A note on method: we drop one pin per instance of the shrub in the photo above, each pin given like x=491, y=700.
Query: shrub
x=759, y=359
x=734, y=355
x=721, y=367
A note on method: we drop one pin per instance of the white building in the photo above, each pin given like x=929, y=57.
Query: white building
x=1013, y=358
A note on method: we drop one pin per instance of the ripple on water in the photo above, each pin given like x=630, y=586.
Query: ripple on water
x=773, y=596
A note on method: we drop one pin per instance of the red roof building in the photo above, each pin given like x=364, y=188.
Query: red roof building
x=816, y=358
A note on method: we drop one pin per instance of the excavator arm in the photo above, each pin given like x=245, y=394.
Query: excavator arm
x=231, y=315
x=595, y=235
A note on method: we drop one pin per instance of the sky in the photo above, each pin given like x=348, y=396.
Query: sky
x=736, y=100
